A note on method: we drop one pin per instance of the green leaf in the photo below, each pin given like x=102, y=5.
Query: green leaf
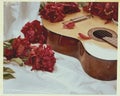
x=82, y=4
x=8, y=70
x=18, y=61
x=42, y=4
x=6, y=61
x=11, y=40
x=8, y=76
x=7, y=43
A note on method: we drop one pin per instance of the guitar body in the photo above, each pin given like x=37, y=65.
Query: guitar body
x=98, y=58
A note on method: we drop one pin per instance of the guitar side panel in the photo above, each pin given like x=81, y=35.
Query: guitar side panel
x=95, y=67
x=62, y=44
x=99, y=68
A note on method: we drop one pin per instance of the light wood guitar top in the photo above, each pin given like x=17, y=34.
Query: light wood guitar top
x=96, y=48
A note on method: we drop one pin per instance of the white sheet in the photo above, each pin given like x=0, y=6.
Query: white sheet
x=68, y=76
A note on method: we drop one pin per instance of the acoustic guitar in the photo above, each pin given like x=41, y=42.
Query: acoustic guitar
x=97, y=55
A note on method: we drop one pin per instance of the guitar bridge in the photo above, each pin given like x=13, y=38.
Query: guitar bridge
x=78, y=19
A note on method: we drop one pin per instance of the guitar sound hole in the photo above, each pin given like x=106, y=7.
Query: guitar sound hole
x=102, y=33
x=98, y=33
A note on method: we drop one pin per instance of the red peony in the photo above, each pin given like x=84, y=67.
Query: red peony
x=108, y=12
x=70, y=7
x=115, y=15
x=52, y=12
x=21, y=47
x=33, y=31
x=55, y=12
x=105, y=10
x=41, y=58
x=97, y=8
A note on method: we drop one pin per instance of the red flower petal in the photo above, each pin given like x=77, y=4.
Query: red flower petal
x=69, y=25
x=84, y=36
x=9, y=53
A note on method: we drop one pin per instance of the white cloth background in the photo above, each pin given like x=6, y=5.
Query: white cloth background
x=16, y=14
x=68, y=76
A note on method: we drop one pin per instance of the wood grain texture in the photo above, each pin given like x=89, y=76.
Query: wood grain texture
x=67, y=41
x=95, y=67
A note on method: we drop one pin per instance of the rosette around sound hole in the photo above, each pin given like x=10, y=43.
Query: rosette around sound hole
x=99, y=32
